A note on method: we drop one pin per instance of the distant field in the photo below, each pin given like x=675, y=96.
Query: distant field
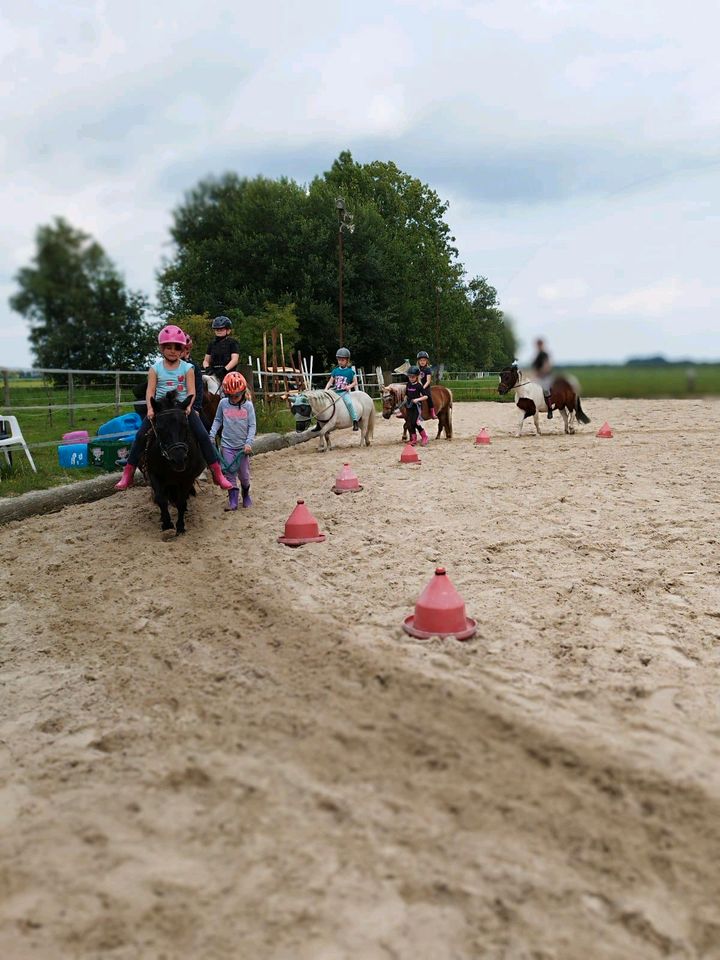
x=650, y=382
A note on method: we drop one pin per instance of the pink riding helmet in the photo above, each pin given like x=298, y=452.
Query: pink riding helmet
x=172, y=334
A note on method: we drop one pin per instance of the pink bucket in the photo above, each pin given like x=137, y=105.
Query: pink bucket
x=76, y=436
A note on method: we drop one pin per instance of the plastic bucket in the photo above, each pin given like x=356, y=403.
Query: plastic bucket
x=76, y=436
x=104, y=454
x=125, y=426
x=73, y=455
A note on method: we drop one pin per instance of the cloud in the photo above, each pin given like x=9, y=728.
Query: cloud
x=560, y=290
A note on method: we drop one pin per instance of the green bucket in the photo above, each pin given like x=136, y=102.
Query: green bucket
x=104, y=454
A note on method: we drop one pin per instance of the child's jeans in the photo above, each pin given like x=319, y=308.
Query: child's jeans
x=345, y=394
x=207, y=448
x=234, y=462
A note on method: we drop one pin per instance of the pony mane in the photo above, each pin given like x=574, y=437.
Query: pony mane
x=399, y=389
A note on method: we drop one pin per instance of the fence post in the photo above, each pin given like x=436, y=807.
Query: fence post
x=6, y=388
x=71, y=400
x=117, y=394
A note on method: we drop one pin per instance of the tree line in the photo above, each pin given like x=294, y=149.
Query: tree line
x=266, y=253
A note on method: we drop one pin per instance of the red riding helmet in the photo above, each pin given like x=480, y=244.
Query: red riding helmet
x=234, y=383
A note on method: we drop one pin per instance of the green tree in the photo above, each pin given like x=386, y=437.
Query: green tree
x=81, y=314
x=241, y=244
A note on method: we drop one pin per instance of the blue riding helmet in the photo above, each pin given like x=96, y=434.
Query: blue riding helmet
x=414, y=372
x=220, y=323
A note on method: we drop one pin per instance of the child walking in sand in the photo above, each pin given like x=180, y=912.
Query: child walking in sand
x=236, y=417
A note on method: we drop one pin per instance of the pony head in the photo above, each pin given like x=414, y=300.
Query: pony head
x=171, y=429
x=391, y=397
x=301, y=411
x=509, y=376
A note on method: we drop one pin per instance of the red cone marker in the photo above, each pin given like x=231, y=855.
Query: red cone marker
x=483, y=437
x=301, y=527
x=409, y=455
x=346, y=481
x=440, y=612
x=605, y=431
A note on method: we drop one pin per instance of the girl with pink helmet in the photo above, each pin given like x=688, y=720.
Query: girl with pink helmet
x=169, y=373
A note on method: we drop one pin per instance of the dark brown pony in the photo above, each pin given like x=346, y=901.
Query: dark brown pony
x=393, y=397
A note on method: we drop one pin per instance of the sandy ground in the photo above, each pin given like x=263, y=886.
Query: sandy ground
x=219, y=747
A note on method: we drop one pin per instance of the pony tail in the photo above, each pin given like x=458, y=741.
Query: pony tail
x=580, y=413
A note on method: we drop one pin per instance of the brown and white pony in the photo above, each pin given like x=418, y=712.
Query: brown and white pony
x=393, y=397
x=529, y=397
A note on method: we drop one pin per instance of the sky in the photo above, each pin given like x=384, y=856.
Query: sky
x=577, y=143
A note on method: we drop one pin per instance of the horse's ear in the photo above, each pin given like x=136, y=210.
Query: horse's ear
x=186, y=402
x=153, y=403
x=515, y=364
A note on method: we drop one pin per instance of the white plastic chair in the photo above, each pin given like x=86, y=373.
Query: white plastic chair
x=12, y=437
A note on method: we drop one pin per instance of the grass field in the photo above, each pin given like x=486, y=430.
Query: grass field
x=33, y=402
x=43, y=428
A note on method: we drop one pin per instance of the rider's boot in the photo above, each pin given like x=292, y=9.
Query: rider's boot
x=233, y=496
x=423, y=438
x=413, y=440
x=548, y=404
x=247, y=499
x=433, y=415
x=126, y=480
x=218, y=477
x=356, y=424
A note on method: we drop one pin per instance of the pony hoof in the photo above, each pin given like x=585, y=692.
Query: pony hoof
x=168, y=534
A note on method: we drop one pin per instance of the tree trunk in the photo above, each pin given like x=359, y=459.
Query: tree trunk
x=85, y=491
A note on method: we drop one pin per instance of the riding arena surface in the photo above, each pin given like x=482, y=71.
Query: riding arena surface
x=219, y=747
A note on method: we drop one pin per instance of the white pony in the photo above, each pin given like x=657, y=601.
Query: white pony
x=331, y=414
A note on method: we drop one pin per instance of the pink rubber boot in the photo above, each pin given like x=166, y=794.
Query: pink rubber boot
x=423, y=438
x=126, y=480
x=413, y=440
x=218, y=477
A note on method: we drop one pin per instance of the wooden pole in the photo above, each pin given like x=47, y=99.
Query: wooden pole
x=273, y=334
x=117, y=394
x=282, y=357
x=71, y=400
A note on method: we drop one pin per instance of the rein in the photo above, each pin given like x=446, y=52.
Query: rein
x=165, y=451
x=332, y=406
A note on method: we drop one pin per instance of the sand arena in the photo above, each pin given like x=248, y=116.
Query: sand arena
x=222, y=748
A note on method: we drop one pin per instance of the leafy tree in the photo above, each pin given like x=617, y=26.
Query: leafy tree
x=241, y=244
x=81, y=314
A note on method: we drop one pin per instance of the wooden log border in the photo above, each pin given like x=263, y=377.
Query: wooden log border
x=38, y=502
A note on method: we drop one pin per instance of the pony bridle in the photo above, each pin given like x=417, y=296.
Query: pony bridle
x=166, y=450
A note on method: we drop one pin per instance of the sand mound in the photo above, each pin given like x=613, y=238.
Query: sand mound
x=218, y=747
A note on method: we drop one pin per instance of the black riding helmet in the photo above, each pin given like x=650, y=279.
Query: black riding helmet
x=423, y=355
x=221, y=323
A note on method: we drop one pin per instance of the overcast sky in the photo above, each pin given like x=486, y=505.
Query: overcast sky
x=577, y=142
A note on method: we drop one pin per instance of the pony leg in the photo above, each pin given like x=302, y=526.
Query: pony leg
x=181, y=510
x=166, y=524
x=536, y=418
x=563, y=414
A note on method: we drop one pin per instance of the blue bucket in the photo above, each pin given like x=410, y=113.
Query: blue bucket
x=125, y=426
x=73, y=455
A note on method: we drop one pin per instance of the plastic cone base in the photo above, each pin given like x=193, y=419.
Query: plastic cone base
x=483, y=437
x=409, y=455
x=301, y=527
x=440, y=612
x=605, y=431
x=346, y=481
